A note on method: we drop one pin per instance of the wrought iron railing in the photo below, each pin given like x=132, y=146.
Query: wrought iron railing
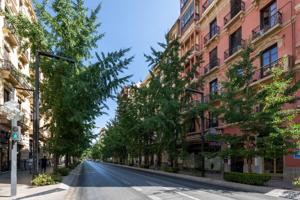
x=234, y=11
x=213, y=32
x=21, y=78
x=275, y=19
x=266, y=70
x=206, y=4
x=212, y=64
x=235, y=48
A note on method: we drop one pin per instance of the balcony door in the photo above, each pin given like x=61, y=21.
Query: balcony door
x=213, y=58
x=235, y=41
x=213, y=28
x=269, y=16
x=236, y=6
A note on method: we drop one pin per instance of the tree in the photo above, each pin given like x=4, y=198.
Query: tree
x=267, y=127
x=72, y=95
x=170, y=79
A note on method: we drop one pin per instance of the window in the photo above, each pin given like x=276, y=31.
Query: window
x=269, y=17
x=269, y=56
x=236, y=7
x=213, y=120
x=192, y=127
x=6, y=95
x=183, y=3
x=213, y=28
x=213, y=86
x=213, y=58
x=187, y=16
x=235, y=41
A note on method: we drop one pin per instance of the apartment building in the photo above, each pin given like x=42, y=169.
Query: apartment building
x=14, y=73
x=220, y=30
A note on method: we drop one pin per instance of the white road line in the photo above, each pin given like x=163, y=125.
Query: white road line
x=137, y=189
x=188, y=196
x=154, y=197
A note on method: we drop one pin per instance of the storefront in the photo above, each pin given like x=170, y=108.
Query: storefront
x=4, y=150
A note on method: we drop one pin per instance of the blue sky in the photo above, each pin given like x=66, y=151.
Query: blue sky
x=138, y=24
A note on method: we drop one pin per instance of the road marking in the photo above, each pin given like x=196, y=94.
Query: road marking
x=137, y=189
x=188, y=196
x=154, y=197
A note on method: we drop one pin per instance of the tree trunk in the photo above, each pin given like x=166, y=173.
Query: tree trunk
x=274, y=166
x=67, y=159
x=249, y=162
x=56, y=160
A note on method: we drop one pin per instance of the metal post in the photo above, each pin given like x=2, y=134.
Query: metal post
x=14, y=146
x=36, y=121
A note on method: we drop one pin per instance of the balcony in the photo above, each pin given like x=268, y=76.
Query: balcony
x=234, y=50
x=194, y=50
x=191, y=21
x=206, y=4
x=213, y=33
x=211, y=66
x=264, y=73
x=234, y=13
x=267, y=69
x=184, y=3
x=9, y=33
x=259, y=31
x=10, y=72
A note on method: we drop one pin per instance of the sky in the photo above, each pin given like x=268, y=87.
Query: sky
x=135, y=24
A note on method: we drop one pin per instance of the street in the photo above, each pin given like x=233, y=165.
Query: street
x=108, y=182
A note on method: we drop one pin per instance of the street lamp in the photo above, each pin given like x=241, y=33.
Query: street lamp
x=202, y=121
x=36, y=103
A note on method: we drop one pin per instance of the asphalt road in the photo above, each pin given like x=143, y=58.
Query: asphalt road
x=98, y=181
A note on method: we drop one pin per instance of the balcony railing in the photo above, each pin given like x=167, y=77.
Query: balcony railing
x=212, y=33
x=7, y=65
x=211, y=65
x=190, y=22
x=234, y=11
x=275, y=20
x=12, y=29
x=183, y=4
x=206, y=4
x=266, y=70
x=229, y=52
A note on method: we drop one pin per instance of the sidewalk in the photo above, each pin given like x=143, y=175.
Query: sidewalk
x=268, y=190
x=28, y=192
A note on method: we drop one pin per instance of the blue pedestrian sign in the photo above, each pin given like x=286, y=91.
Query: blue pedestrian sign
x=16, y=133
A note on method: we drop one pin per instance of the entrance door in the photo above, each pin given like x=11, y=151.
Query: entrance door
x=237, y=164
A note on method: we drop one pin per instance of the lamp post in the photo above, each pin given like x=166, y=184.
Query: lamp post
x=36, y=103
x=202, y=122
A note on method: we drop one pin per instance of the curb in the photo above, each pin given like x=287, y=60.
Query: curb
x=210, y=181
x=70, y=179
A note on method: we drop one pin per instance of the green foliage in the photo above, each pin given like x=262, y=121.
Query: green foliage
x=43, y=179
x=171, y=169
x=149, y=116
x=296, y=182
x=63, y=171
x=267, y=125
x=72, y=95
x=247, y=178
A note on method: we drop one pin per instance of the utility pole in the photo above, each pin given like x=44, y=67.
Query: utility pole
x=36, y=113
x=36, y=105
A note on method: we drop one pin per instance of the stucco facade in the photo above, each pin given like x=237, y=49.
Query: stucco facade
x=219, y=30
